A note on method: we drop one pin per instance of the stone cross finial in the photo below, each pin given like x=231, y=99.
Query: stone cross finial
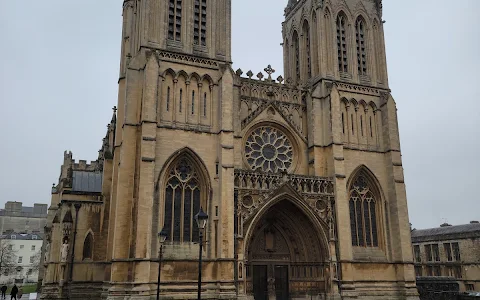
x=269, y=70
x=114, y=109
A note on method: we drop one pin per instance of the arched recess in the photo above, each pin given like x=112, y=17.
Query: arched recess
x=378, y=52
x=307, y=57
x=167, y=103
x=366, y=205
x=315, y=37
x=296, y=62
x=329, y=46
x=182, y=189
x=361, y=40
x=342, y=42
x=286, y=234
x=88, y=244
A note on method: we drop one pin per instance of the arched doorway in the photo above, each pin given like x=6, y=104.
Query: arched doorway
x=286, y=255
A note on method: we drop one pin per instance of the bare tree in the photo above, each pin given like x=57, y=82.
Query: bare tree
x=36, y=261
x=8, y=257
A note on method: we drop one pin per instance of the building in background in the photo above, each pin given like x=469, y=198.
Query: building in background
x=27, y=255
x=18, y=218
x=449, y=251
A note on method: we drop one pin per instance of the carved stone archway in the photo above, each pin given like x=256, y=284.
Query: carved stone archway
x=286, y=255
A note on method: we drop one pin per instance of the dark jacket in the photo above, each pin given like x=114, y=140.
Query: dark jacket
x=14, y=291
x=4, y=288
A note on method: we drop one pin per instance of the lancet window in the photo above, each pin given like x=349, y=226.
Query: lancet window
x=361, y=46
x=297, y=55
x=175, y=20
x=182, y=201
x=364, y=206
x=200, y=23
x=204, y=104
x=342, y=43
x=168, y=99
x=306, y=33
x=88, y=247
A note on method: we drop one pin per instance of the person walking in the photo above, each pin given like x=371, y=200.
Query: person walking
x=4, y=291
x=14, y=292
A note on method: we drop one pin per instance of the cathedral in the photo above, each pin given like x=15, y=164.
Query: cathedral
x=301, y=176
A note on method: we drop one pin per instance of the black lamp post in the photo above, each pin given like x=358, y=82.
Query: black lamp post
x=162, y=237
x=201, y=219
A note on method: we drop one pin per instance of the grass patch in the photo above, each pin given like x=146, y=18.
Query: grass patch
x=27, y=289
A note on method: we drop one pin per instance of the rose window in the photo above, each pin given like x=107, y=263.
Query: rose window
x=269, y=150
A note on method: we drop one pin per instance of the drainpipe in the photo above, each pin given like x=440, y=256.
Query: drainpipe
x=77, y=208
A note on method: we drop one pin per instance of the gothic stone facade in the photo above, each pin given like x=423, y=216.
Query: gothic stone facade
x=301, y=176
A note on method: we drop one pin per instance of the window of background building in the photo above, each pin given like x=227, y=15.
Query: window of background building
x=33, y=247
x=436, y=253
x=428, y=252
x=437, y=271
x=22, y=246
x=416, y=251
x=458, y=272
x=469, y=287
x=456, y=251
x=20, y=259
x=429, y=271
x=448, y=251
x=13, y=237
x=418, y=271
x=34, y=237
x=449, y=271
x=10, y=247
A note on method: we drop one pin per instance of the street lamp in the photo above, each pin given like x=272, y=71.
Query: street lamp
x=201, y=219
x=162, y=236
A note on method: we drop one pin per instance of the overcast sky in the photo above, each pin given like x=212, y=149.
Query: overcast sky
x=59, y=64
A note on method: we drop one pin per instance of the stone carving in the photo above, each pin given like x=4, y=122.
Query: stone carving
x=64, y=252
x=317, y=192
x=47, y=252
x=186, y=59
x=268, y=149
x=271, y=288
x=293, y=113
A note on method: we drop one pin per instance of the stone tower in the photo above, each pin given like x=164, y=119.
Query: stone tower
x=301, y=177
x=173, y=131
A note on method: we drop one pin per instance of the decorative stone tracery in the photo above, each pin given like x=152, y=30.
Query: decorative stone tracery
x=268, y=149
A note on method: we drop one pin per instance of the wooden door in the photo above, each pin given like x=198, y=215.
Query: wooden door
x=281, y=282
x=260, y=289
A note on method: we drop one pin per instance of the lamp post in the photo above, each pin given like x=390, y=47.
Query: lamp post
x=201, y=219
x=162, y=236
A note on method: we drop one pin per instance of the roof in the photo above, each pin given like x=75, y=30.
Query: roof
x=22, y=236
x=447, y=232
x=84, y=181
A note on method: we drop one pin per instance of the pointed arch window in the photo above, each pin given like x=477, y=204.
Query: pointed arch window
x=306, y=33
x=204, y=104
x=200, y=23
x=182, y=201
x=180, y=102
x=361, y=46
x=175, y=20
x=193, y=102
x=364, y=206
x=168, y=98
x=297, y=55
x=342, y=43
x=88, y=247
